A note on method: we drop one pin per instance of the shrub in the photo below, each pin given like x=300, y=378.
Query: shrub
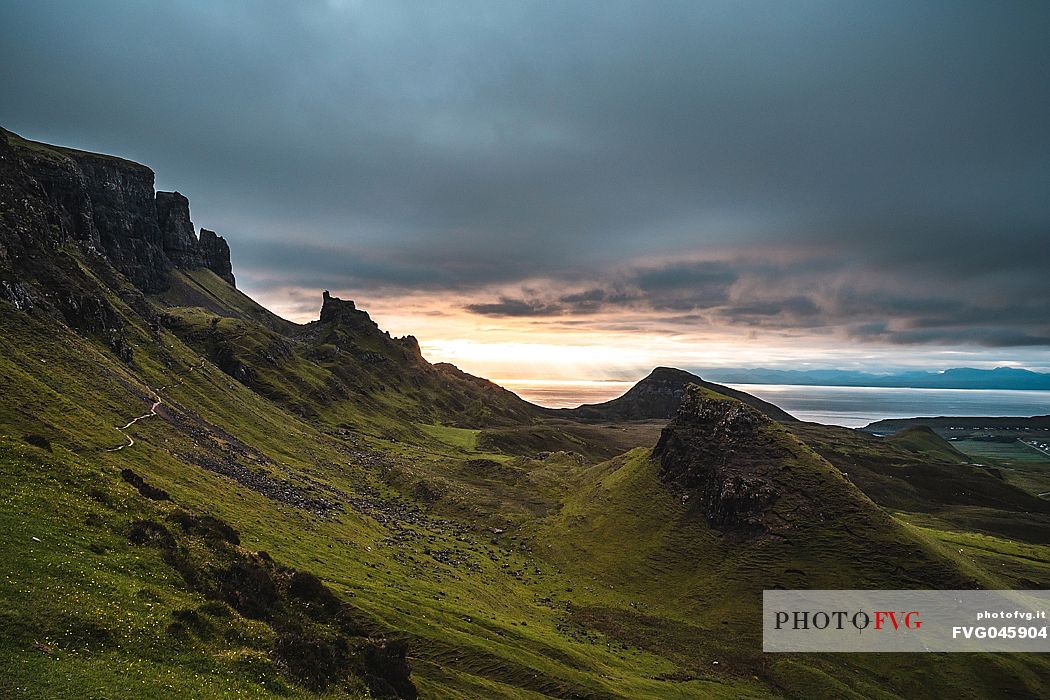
x=151, y=492
x=38, y=441
x=312, y=661
x=150, y=533
x=248, y=588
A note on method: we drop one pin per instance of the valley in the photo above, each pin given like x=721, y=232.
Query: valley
x=315, y=510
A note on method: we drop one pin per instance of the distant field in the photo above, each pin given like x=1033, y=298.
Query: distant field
x=1015, y=451
x=1023, y=466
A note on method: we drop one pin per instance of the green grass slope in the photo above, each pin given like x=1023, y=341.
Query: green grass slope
x=647, y=569
x=477, y=616
x=337, y=370
x=203, y=289
x=900, y=474
x=922, y=440
x=602, y=583
x=202, y=500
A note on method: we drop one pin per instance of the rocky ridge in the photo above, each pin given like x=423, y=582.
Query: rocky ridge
x=104, y=204
x=76, y=228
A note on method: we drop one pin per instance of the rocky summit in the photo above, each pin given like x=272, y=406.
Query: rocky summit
x=749, y=475
x=723, y=451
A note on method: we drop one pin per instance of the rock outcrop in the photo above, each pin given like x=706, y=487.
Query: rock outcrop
x=215, y=255
x=336, y=310
x=356, y=326
x=183, y=248
x=51, y=196
x=411, y=344
x=179, y=241
x=714, y=449
x=76, y=228
x=747, y=474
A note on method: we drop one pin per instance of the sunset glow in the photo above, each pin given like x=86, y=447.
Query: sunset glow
x=621, y=346
x=758, y=185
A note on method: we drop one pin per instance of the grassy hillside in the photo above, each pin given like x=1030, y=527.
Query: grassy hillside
x=898, y=474
x=923, y=441
x=474, y=608
x=525, y=577
x=204, y=500
x=646, y=571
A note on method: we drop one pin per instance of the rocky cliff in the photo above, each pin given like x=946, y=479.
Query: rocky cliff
x=52, y=197
x=215, y=255
x=76, y=228
x=713, y=449
x=747, y=474
x=177, y=237
x=336, y=310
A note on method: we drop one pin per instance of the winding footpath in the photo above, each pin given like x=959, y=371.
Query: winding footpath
x=131, y=440
x=152, y=411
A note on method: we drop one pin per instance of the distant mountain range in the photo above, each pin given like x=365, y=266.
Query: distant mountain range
x=958, y=378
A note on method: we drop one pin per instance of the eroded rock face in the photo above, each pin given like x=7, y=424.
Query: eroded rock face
x=104, y=203
x=336, y=310
x=183, y=247
x=77, y=227
x=179, y=240
x=52, y=196
x=411, y=344
x=728, y=456
x=214, y=254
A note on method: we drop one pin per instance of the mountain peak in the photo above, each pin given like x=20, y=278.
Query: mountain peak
x=657, y=396
x=663, y=374
x=336, y=310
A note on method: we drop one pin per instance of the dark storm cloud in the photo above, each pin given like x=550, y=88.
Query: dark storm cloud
x=515, y=307
x=685, y=286
x=833, y=164
x=791, y=307
x=672, y=287
x=800, y=296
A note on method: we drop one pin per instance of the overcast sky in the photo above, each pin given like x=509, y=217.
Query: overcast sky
x=566, y=187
